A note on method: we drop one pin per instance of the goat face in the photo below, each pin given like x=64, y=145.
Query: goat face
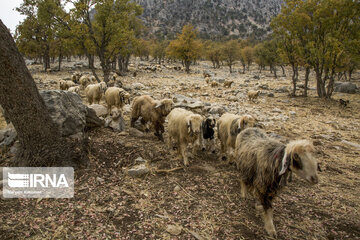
x=208, y=126
x=235, y=127
x=194, y=123
x=165, y=106
x=301, y=160
x=247, y=121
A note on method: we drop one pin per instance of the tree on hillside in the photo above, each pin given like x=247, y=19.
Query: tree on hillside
x=158, y=50
x=37, y=33
x=231, y=52
x=142, y=49
x=248, y=53
x=213, y=52
x=40, y=140
x=186, y=47
x=288, y=46
x=324, y=31
x=266, y=54
x=110, y=30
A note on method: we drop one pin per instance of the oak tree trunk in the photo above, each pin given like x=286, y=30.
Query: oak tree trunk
x=40, y=140
x=307, y=73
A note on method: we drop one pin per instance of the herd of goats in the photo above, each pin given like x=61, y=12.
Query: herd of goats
x=264, y=163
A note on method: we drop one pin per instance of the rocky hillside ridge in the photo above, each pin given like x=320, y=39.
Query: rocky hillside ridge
x=212, y=18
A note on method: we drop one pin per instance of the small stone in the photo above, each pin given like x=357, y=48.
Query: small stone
x=100, y=180
x=174, y=229
x=140, y=160
x=356, y=145
x=292, y=113
x=177, y=188
x=276, y=110
x=271, y=95
x=138, y=171
x=135, y=132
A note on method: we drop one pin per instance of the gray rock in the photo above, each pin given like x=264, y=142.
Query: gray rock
x=100, y=180
x=15, y=148
x=219, y=80
x=264, y=86
x=276, y=110
x=138, y=170
x=283, y=89
x=92, y=120
x=292, y=113
x=135, y=132
x=246, y=81
x=174, y=229
x=270, y=95
x=346, y=87
x=232, y=99
x=140, y=160
x=241, y=95
x=68, y=112
x=138, y=86
x=7, y=137
x=218, y=109
x=196, y=105
x=356, y=145
x=116, y=122
x=256, y=77
x=100, y=110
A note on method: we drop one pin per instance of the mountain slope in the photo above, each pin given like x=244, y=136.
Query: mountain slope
x=213, y=18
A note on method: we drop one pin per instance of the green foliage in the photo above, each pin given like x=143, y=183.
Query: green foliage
x=186, y=47
x=42, y=29
x=111, y=31
x=247, y=57
x=158, y=50
x=231, y=52
x=321, y=34
x=213, y=52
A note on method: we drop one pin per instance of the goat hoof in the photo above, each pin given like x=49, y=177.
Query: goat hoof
x=272, y=234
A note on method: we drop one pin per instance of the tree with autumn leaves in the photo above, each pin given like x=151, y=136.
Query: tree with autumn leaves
x=186, y=47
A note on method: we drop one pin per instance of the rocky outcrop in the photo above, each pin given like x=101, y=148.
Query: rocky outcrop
x=212, y=18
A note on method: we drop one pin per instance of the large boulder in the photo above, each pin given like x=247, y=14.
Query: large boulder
x=346, y=87
x=69, y=113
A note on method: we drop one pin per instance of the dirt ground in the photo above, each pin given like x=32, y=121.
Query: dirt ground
x=204, y=199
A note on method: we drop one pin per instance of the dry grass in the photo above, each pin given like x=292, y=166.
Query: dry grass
x=203, y=199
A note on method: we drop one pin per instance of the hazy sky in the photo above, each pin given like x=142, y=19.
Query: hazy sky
x=8, y=15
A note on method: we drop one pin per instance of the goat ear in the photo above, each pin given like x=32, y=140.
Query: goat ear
x=189, y=126
x=242, y=124
x=158, y=104
x=296, y=161
x=285, y=163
